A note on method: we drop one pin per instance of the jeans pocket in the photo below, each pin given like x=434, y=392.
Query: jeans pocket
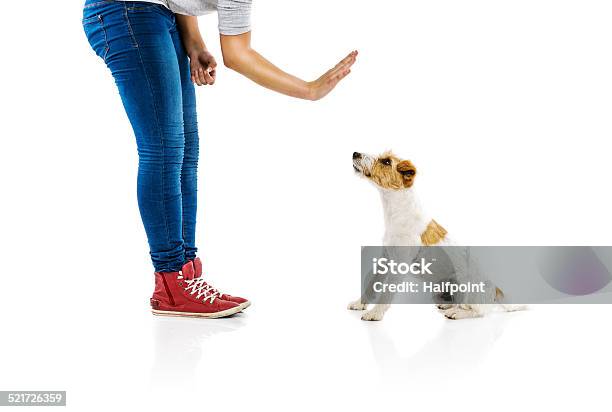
x=96, y=35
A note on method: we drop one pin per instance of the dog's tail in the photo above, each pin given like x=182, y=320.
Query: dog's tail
x=499, y=295
x=500, y=298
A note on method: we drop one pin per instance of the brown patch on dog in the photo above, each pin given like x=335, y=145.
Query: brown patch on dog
x=390, y=172
x=408, y=172
x=433, y=234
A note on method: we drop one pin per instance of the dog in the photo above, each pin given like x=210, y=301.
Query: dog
x=407, y=224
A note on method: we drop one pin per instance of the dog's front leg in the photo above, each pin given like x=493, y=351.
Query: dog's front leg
x=367, y=284
x=377, y=312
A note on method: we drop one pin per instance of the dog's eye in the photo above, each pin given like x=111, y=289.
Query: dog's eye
x=386, y=162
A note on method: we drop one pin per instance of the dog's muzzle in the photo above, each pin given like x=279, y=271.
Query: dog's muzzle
x=356, y=165
x=357, y=162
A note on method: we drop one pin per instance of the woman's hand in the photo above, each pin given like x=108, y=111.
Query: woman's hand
x=202, y=63
x=326, y=83
x=240, y=57
x=203, y=67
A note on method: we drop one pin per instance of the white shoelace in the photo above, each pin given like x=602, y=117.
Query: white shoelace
x=200, y=288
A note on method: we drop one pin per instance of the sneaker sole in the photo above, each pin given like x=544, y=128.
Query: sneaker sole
x=222, y=314
x=244, y=305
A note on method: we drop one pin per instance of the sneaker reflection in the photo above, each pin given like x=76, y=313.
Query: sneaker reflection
x=179, y=347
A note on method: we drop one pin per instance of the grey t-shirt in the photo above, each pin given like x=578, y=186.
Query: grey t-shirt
x=234, y=15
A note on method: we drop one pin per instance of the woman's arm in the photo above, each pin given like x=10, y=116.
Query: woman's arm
x=240, y=57
x=202, y=63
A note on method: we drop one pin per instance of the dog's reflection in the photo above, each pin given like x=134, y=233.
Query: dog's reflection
x=179, y=344
x=458, y=347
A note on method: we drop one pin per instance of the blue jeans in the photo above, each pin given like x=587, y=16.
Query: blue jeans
x=140, y=44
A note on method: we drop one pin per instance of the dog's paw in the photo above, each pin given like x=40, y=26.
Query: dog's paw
x=457, y=312
x=357, y=305
x=373, y=315
x=514, y=308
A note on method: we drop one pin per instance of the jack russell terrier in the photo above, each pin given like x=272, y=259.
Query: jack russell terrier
x=406, y=224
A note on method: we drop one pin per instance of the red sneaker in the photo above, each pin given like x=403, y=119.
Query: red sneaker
x=244, y=303
x=182, y=294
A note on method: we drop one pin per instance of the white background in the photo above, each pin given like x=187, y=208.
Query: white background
x=504, y=107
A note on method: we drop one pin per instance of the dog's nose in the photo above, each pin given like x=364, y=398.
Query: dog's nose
x=356, y=155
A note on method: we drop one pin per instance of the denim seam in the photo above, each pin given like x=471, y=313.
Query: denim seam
x=106, y=46
x=144, y=69
x=144, y=8
x=129, y=27
x=87, y=6
x=90, y=20
x=183, y=224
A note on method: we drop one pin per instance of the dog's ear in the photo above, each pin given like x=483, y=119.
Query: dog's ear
x=408, y=172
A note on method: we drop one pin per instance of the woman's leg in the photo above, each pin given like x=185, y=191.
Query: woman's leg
x=189, y=172
x=135, y=41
